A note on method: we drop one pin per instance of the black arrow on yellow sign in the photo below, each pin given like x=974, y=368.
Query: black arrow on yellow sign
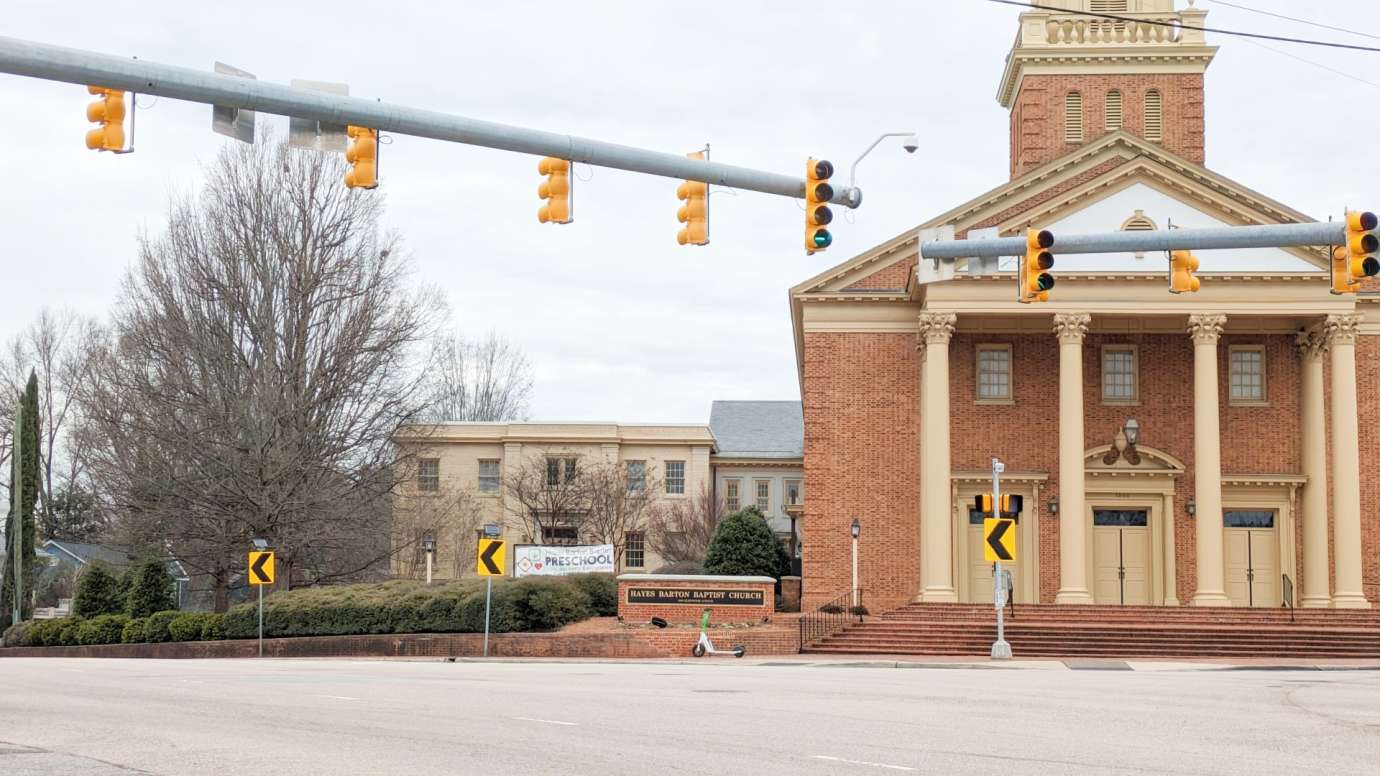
x=996, y=542
x=488, y=565
x=261, y=568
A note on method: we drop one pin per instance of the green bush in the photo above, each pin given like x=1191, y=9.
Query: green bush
x=41, y=631
x=156, y=626
x=212, y=626
x=151, y=590
x=105, y=629
x=602, y=590
x=547, y=606
x=98, y=592
x=67, y=633
x=744, y=545
x=187, y=626
x=134, y=631
x=17, y=634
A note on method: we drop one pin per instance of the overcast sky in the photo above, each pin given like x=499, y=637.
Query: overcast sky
x=620, y=322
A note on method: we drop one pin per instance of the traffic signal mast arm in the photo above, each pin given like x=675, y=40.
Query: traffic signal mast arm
x=1227, y=237
x=59, y=63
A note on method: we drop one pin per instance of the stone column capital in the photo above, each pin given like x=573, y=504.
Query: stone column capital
x=1206, y=328
x=1341, y=329
x=1071, y=327
x=1312, y=344
x=937, y=328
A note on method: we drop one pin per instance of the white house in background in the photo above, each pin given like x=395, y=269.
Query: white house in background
x=761, y=461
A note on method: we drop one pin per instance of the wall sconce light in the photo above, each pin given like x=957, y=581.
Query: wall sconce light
x=1192, y=507
x=856, y=528
x=1054, y=507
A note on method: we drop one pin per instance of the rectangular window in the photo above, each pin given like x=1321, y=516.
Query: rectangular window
x=559, y=534
x=675, y=476
x=634, y=550
x=795, y=493
x=1243, y=518
x=994, y=372
x=1246, y=374
x=429, y=474
x=1119, y=374
x=488, y=476
x=637, y=476
x=732, y=497
x=763, y=496
x=553, y=470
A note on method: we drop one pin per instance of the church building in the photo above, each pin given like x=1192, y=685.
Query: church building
x=1198, y=449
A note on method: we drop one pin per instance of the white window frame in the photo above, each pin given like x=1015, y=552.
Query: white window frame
x=733, y=494
x=494, y=480
x=757, y=496
x=428, y=483
x=636, y=475
x=671, y=482
x=1264, y=398
x=1135, y=374
x=641, y=549
x=1009, y=398
x=799, y=486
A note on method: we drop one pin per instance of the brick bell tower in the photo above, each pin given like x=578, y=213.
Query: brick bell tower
x=1072, y=78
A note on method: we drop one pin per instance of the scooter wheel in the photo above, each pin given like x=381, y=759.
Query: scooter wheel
x=740, y=651
x=697, y=650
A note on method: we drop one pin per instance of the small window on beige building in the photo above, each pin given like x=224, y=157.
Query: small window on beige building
x=634, y=550
x=1154, y=116
x=732, y=495
x=1073, y=118
x=429, y=474
x=1113, y=112
x=763, y=496
x=675, y=477
x=994, y=372
x=488, y=476
x=637, y=476
x=1119, y=374
x=1246, y=374
x=795, y=493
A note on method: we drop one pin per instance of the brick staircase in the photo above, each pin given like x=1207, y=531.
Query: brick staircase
x=1112, y=632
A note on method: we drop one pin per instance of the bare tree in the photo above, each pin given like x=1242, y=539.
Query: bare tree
x=681, y=530
x=479, y=380
x=450, y=517
x=621, y=499
x=549, y=496
x=263, y=351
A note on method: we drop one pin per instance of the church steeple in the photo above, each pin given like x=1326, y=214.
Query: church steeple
x=1071, y=78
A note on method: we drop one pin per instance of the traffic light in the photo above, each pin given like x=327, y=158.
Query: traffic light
x=1035, y=280
x=1011, y=504
x=818, y=192
x=109, y=112
x=1356, y=259
x=555, y=190
x=1182, y=265
x=695, y=212
x=363, y=156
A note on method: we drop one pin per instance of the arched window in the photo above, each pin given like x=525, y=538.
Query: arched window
x=1113, y=112
x=1138, y=222
x=1073, y=118
x=1154, y=116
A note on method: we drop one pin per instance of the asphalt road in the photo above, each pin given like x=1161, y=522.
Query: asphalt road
x=108, y=717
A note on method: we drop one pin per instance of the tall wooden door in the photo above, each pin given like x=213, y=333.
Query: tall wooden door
x=1121, y=557
x=1251, y=544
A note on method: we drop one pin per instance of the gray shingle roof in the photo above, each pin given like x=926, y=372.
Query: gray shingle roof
x=758, y=429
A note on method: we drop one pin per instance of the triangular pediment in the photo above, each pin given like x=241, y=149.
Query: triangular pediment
x=1140, y=460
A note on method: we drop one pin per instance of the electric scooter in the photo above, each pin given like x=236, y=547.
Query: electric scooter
x=705, y=646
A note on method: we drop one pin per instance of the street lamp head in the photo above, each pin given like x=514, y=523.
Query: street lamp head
x=1132, y=431
x=911, y=143
x=428, y=544
x=856, y=528
x=260, y=544
x=1054, y=506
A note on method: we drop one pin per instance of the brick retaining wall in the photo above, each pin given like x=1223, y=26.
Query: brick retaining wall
x=689, y=612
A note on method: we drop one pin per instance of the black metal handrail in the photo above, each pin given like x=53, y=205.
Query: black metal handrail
x=831, y=617
x=1289, y=595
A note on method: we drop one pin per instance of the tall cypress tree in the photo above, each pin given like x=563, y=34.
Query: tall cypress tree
x=27, y=468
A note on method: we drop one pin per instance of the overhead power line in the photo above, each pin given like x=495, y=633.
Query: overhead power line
x=1215, y=30
x=1309, y=22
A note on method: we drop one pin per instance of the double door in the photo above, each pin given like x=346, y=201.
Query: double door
x=980, y=576
x=1252, y=570
x=1121, y=557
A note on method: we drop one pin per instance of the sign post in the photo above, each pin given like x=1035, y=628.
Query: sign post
x=1001, y=650
x=261, y=571
x=489, y=564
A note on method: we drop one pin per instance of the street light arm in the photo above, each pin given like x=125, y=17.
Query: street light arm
x=853, y=171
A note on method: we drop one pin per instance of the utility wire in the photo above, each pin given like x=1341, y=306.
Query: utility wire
x=1294, y=19
x=1179, y=25
x=1319, y=65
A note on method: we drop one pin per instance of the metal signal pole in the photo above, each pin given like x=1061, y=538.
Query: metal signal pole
x=1001, y=650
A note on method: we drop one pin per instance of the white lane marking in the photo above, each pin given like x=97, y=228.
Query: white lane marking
x=860, y=762
x=339, y=697
x=547, y=721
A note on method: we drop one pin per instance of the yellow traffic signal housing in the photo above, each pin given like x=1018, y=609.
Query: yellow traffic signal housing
x=695, y=212
x=818, y=192
x=1011, y=504
x=1034, y=277
x=1356, y=259
x=1182, y=265
x=109, y=112
x=363, y=156
x=555, y=190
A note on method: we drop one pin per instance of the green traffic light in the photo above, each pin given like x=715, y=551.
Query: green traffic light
x=1045, y=281
x=822, y=239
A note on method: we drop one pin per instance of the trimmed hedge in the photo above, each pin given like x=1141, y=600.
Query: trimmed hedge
x=105, y=629
x=134, y=631
x=602, y=590
x=188, y=626
x=17, y=634
x=213, y=626
x=156, y=626
x=67, y=632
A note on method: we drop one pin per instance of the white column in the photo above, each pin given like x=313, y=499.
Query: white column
x=1073, y=520
x=1313, y=430
x=936, y=535
x=1346, y=464
x=1206, y=330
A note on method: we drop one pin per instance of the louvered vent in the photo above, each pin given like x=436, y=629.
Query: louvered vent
x=1113, y=122
x=1154, y=117
x=1073, y=118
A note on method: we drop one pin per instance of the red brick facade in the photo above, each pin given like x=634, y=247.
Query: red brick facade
x=1038, y=114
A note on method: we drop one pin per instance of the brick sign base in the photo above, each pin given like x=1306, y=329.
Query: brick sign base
x=682, y=598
